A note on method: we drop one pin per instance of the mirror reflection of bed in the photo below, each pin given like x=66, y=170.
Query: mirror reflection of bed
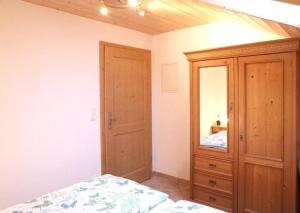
x=213, y=107
x=215, y=139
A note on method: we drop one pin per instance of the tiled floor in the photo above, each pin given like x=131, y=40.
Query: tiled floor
x=175, y=189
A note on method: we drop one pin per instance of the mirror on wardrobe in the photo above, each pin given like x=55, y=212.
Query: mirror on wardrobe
x=213, y=107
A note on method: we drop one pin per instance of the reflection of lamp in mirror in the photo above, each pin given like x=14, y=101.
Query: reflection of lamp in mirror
x=218, y=121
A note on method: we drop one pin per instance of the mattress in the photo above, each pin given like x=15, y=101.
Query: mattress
x=184, y=206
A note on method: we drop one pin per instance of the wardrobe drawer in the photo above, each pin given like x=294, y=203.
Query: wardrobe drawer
x=213, y=182
x=216, y=166
x=213, y=199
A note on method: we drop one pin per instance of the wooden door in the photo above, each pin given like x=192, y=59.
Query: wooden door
x=126, y=111
x=266, y=121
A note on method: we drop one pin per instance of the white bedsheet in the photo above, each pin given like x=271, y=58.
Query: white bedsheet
x=217, y=140
x=167, y=204
x=184, y=206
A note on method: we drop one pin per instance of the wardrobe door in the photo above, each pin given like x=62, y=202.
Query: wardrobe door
x=212, y=108
x=266, y=134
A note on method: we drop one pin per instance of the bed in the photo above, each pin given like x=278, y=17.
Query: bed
x=217, y=140
x=183, y=206
x=107, y=193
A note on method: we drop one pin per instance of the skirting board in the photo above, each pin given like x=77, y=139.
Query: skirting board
x=171, y=178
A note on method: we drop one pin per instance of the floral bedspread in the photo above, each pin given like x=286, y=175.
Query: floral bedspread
x=105, y=193
x=184, y=206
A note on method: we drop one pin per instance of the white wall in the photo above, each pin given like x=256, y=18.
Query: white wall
x=171, y=141
x=49, y=83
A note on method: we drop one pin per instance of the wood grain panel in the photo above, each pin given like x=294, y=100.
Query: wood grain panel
x=126, y=111
x=263, y=189
x=166, y=15
x=129, y=98
x=127, y=146
x=214, y=166
x=213, y=199
x=213, y=182
x=264, y=109
x=266, y=183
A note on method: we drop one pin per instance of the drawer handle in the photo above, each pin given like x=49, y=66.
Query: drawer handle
x=212, y=182
x=212, y=198
x=211, y=165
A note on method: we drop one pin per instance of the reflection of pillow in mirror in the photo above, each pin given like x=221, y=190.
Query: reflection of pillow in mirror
x=218, y=140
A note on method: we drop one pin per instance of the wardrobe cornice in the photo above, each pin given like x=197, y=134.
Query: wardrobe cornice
x=265, y=47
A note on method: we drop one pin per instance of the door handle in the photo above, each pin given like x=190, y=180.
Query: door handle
x=241, y=136
x=110, y=120
x=213, y=199
x=212, y=182
x=211, y=165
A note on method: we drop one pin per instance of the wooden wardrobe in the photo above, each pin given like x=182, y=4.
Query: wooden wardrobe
x=253, y=169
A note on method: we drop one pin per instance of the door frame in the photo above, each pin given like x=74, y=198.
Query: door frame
x=102, y=45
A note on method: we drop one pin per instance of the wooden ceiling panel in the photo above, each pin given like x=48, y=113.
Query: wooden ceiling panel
x=297, y=2
x=167, y=15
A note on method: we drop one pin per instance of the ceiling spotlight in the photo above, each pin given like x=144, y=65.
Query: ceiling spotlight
x=141, y=13
x=132, y=3
x=138, y=5
x=103, y=10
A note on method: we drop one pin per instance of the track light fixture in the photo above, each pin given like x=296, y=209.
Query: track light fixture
x=138, y=5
